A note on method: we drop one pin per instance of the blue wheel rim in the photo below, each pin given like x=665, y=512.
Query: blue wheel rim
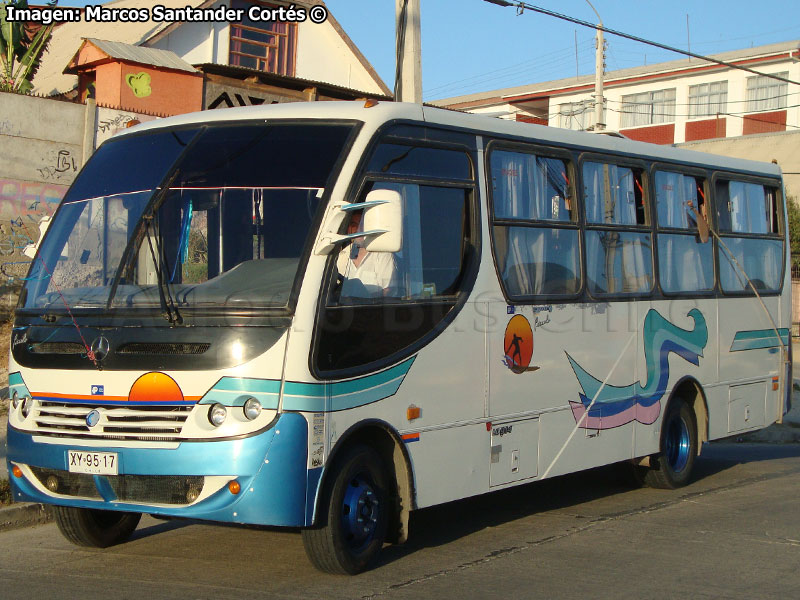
x=360, y=513
x=677, y=443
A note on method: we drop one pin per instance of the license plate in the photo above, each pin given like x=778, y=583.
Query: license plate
x=93, y=463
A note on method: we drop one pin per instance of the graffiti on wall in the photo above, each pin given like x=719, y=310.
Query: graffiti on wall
x=61, y=165
x=22, y=205
x=28, y=201
x=9, y=128
x=111, y=121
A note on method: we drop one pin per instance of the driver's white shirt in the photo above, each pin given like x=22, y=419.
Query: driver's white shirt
x=377, y=272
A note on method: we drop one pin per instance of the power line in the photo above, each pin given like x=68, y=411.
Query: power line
x=558, y=56
x=520, y=6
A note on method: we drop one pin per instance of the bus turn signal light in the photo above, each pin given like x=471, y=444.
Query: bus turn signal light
x=234, y=487
x=16, y=471
x=413, y=412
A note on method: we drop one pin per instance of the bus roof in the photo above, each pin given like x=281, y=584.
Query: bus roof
x=383, y=112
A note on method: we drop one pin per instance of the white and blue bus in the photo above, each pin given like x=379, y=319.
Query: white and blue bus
x=328, y=315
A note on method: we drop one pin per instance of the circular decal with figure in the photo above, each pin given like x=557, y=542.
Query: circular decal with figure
x=518, y=345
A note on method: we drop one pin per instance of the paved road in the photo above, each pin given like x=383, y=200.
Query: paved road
x=733, y=533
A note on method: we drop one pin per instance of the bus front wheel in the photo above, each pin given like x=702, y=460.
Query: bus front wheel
x=353, y=522
x=672, y=467
x=95, y=528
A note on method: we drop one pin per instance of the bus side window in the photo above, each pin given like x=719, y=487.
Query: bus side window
x=431, y=259
x=379, y=304
x=535, y=235
x=750, y=225
x=618, y=243
x=685, y=259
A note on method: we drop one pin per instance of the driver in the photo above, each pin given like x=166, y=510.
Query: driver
x=365, y=274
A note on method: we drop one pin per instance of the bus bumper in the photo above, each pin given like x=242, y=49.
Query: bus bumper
x=275, y=486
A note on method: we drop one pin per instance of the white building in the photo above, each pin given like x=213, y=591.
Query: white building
x=666, y=103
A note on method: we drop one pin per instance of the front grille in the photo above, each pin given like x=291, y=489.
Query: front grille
x=66, y=483
x=156, y=489
x=145, y=489
x=137, y=422
x=57, y=348
x=166, y=349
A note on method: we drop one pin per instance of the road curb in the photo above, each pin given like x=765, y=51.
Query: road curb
x=24, y=514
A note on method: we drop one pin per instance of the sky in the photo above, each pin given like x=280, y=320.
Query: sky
x=471, y=46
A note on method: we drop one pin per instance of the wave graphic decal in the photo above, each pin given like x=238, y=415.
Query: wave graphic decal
x=619, y=405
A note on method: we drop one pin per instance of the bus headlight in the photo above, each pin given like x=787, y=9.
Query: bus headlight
x=15, y=400
x=217, y=415
x=252, y=408
x=27, y=405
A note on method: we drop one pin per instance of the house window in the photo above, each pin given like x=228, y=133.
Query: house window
x=765, y=93
x=708, y=99
x=268, y=46
x=648, y=108
x=578, y=116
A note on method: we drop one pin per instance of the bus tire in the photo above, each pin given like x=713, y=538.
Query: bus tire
x=353, y=514
x=95, y=528
x=672, y=467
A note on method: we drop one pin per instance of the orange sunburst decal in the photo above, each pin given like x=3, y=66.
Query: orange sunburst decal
x=518, y=344
x=155, y=387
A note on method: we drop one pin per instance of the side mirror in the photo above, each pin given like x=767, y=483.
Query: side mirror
x=385, y=215
x=382, y=223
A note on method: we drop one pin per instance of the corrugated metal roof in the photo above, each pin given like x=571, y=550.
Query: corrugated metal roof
x=142, y=55
x=51, y=79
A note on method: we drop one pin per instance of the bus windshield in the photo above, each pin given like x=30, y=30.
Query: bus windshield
x=211, y=217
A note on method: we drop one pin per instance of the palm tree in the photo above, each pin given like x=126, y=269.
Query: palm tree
x=20, y=50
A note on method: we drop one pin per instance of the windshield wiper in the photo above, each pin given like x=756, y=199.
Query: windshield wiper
x=135, y=241
x=168, y=308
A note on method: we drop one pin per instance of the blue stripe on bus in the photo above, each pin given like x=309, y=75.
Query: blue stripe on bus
x=15, y=379
x=319, y=397
x=758, y=339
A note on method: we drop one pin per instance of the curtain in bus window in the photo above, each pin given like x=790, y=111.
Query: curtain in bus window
x=748, y=207
x=529, y=187
x=674, y=192
x=685, y=264
x=762, y=261
x=538, y=260
x=618, y=262
x=609, y=193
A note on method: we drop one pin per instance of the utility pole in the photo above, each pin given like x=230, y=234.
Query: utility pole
x=408, y=75
x=599, y=68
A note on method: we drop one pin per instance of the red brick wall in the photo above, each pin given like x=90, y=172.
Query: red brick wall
x=656, y=134
x=765, y=122
x=530, y=119
x=703, y=130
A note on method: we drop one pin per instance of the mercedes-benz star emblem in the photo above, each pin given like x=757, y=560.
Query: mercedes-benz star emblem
x=100, y=348
x=93, y=418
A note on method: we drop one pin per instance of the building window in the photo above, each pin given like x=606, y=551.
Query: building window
x=578, y=116
x=268, y=46
x=648, y=108
x=765, y=93
x=708, y=99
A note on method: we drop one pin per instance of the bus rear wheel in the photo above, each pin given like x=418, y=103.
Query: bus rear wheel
x=95, y=528
x=354, y=515
x=672, y=467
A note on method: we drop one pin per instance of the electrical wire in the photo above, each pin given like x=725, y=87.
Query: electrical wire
x=522, y=6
